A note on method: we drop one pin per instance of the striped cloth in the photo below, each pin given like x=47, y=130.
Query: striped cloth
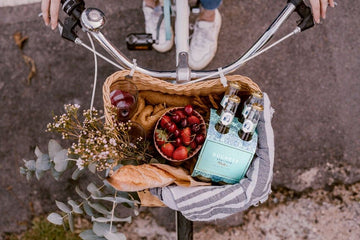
x=214, y=202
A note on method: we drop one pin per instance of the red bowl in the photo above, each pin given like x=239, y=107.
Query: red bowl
x=193, y=151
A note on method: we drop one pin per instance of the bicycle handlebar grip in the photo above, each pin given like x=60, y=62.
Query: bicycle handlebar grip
x=295, y=2
x=73, y=7
x=307, y=19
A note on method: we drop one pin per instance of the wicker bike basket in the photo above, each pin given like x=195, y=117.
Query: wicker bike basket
x=147, y=83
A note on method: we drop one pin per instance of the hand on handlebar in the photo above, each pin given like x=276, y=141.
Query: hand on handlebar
x=50, y=12
x=319, y=8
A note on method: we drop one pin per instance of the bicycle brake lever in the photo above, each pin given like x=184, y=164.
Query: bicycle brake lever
x=307, y=20
x=67, y=29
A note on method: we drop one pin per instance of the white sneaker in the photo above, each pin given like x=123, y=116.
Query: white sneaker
x=203, y=44
x=152, y=16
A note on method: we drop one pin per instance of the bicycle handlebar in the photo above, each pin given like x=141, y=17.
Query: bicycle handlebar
x=92, y=20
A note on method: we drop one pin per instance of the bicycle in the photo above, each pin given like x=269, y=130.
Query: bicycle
x=92, y=20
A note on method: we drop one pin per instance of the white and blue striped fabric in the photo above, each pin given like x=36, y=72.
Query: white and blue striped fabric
x=208, y=203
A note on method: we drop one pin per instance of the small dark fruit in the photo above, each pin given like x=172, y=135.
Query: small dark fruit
x=181, y=113
x=188, y=109
x=195, y=128
x=171, y=127
x=200, y=139
x=178, y=142
x=176, y=133
x=176, y=118
x=165, y=120
x=184, y=123
x=193, y=145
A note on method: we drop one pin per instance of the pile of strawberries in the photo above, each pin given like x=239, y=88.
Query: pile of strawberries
x=179, y=133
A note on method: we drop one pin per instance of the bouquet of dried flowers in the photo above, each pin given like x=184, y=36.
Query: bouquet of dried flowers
x=96, y=146
x=99, y=143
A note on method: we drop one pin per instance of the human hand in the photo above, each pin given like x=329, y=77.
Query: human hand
x=319, y=8
x=50, y=7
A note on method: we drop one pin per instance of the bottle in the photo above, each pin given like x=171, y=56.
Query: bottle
x=248, y=128
x=227, y=114
x=255, y=97
x=233, y=89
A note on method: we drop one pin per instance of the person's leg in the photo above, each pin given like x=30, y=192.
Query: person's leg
x=152, y=12
x=203, y=44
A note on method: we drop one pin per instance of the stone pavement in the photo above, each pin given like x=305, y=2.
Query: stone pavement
x=312, y=80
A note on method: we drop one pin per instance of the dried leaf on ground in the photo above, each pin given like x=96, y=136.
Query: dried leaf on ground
x=31, y=63
x=20, y=40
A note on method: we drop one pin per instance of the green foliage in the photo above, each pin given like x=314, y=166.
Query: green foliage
x=43, y=230
x=97, y=147
x=56, y=161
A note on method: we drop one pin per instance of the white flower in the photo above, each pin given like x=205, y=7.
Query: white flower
x=112, y=141
x=80, y=164
x=76, y=105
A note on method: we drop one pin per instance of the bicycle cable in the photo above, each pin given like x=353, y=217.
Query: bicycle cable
x=295, y=31
x=81, y=43
x=95, y=74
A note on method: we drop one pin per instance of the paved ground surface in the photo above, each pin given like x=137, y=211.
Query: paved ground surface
x=312, y=80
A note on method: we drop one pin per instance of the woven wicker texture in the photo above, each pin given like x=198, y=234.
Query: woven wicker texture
x=145, y=82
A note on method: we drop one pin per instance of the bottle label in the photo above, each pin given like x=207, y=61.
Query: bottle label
x=224, y=101
x=246, y=111
x=248, y=126
x=226, y=118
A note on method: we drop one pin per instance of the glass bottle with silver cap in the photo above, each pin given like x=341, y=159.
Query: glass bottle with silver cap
x=248, y=128
x=227, y=114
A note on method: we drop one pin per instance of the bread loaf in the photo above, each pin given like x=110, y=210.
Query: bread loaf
x=131, y=178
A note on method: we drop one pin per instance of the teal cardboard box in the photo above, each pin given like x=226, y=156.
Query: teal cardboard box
x=224, y=157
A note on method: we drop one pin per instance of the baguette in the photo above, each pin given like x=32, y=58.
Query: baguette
x=131, y=178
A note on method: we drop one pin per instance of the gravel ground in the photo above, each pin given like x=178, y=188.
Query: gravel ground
x=311, y=79
x=317, y=215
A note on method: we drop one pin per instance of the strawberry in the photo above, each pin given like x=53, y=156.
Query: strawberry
x=167, y=149
x=180, y=153
x=160, y=137
x=193, y=120
x=165, y=121
x=185, y=135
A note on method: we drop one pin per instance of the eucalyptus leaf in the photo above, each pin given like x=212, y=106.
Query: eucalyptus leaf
x=38, y=153
x=55, y=218
x=101, y=228
x=109, y=218
x=87, y=209
x=94, y=190
x=28, y=176
x=80, y=193
x=75, y=206
x=61, y=161
x=38, y=174
x=63, y=207
x=23, y=171
x=56, y=174
x=92, y=167
x=71, y=222
x=114, y=236
x=43, y=162
x=53, y=148
x=30, y=165
x=100, y=208
x=88, y=235
x=75, y=175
